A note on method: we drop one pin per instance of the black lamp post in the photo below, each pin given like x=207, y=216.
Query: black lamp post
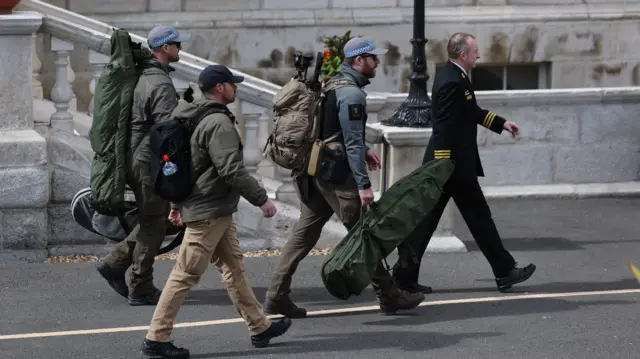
x=415, y=111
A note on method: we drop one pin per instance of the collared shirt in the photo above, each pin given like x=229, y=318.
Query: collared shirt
x=463, y=70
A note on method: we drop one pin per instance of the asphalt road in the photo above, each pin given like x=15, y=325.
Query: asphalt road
x=581, y=303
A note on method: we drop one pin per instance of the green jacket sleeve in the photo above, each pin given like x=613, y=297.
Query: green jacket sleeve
x=225, y=152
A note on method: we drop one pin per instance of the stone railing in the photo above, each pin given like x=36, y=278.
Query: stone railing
x=568, y=136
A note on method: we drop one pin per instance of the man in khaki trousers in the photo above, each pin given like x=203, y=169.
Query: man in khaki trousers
x=216, y=151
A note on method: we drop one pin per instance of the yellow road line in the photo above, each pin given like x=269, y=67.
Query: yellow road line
x=326, y=312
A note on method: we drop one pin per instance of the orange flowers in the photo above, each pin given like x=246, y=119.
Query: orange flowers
x=327, y=55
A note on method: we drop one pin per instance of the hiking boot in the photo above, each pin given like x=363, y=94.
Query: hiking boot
x=161, y=350
x=399, y=300
x=276, y=329
x=149, y=299
x=114, y=279
x=285, y=306
x=415, y=288
x=515, y=276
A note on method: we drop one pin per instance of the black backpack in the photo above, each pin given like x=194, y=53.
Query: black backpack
x=171, y=153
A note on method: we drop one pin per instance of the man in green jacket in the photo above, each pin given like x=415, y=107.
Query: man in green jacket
x=216, y=162
x=154, y=99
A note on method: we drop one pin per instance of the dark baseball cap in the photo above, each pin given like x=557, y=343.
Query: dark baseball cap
x=217, y=74
x=360, y=46
x=161, y=35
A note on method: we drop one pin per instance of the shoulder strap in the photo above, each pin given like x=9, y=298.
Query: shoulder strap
x=338, y=83
x=208, y=110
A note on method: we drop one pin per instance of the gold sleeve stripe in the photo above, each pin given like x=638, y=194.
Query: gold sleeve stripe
x=488, y=119
x=442, y=154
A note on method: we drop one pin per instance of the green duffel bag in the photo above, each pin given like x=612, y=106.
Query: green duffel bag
x=383, y=228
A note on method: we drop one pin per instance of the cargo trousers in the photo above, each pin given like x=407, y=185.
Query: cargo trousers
x=207, y=241
x=141, y=246
x=324, y=200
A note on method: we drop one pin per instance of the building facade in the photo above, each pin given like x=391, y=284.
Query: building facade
x=524, y=44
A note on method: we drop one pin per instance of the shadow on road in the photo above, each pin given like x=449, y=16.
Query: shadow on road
x=514, y=308
x=353, y=342
x=300, y=295
x=319, y=295
x=553, y=287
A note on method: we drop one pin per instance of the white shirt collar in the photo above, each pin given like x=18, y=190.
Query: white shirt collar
x=465, y=72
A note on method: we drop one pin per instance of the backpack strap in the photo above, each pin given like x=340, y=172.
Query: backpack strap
x=331, y=85
x=336, y=83
x=207, y=110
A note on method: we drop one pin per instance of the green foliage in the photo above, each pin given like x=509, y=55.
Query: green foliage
x=333, y=53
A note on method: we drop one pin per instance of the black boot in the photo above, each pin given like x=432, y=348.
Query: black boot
x=114, y=279
x=149, y=299
x=515, y=276
x=276, y=329
x=285, y=306
x=162, y=350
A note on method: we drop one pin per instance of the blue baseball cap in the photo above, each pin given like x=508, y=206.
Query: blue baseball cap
x=216, y=74
x=360, y=46
x=161, y=35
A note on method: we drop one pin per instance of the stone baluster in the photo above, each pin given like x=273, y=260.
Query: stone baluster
x=97, y=62
x=61, y=94
x=266, y=168
x=286, y=192
x=36, y=64
x=251, y=151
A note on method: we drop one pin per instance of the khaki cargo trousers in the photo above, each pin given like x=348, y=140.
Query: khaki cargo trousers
x=214, y=241
x=324, y=200
x=141, y=246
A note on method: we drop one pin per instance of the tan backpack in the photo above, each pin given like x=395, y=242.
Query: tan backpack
x=297, y=115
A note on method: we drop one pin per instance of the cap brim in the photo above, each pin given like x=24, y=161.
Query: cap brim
x=237, y=79
x=182, y=38
x=377, y=51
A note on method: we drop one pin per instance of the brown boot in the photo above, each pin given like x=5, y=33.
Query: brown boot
x=399, y=299
x=390, y=297
x=285, y=306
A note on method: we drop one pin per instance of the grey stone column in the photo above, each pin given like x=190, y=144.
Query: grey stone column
x=24, y=177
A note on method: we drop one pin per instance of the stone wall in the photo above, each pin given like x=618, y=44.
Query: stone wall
x=568, y=136
x=583, y=43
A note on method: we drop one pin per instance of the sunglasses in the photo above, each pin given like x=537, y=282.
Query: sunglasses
x=178, y=44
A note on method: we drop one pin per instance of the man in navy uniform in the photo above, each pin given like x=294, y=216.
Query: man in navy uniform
x=455, y=118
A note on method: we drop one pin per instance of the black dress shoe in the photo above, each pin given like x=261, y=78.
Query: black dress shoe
x=162, y=350
x=276, y=329
x=515, y=276
x=114, y=279
x=415, y=288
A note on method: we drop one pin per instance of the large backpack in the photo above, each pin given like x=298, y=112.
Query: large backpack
x=170, y=144
x=109, y=128
x=297, y=114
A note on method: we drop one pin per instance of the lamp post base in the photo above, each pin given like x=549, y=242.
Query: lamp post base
x=415, y=111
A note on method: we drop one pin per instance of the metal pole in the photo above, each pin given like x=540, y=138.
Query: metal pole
x=415, y=111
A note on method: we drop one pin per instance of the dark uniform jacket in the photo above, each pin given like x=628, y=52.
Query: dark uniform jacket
x=456, y=115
